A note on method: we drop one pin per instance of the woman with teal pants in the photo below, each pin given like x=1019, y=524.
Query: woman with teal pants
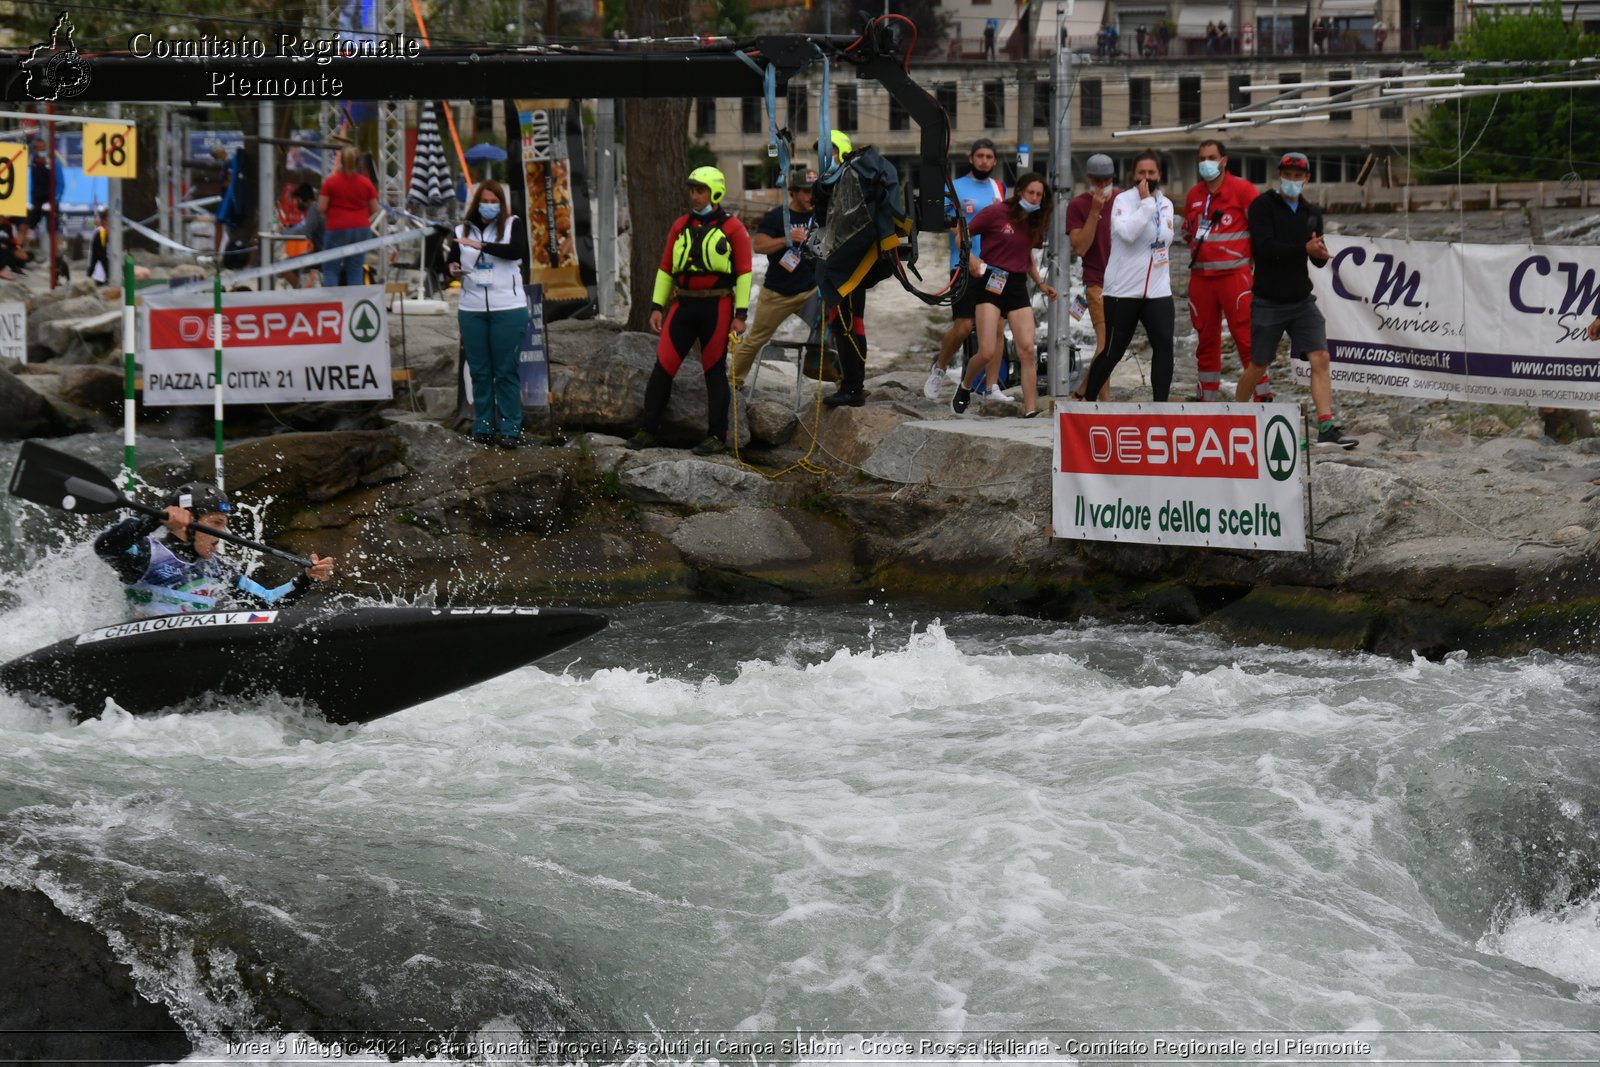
x=490, y=257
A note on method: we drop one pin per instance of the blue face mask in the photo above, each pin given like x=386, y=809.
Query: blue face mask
x=704, y=211
x=488, y=212
x=1209, y=169
x=1290, y=189
x=1029, y=206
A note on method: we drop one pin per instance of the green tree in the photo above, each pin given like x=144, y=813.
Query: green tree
x=1524, y=135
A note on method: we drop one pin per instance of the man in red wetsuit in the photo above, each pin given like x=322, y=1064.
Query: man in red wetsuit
x=1220, y=276
x=702, y=288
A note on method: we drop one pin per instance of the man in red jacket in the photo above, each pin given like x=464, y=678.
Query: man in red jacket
x=1220, y=279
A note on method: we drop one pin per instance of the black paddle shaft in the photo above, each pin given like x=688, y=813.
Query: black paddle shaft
x=68, y=483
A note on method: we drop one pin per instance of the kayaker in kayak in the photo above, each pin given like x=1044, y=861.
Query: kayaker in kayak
x=181, y=574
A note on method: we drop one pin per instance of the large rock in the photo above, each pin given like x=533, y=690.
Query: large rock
x=98, y=389
x=850, y=435
x=695, y=483
x=988, y=459
x=772, y=422
x=315, y=466
x=80, y=339
x=24, y=412
x=598, y=375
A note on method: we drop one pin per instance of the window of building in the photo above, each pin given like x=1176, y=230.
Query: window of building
x=753, y=175
x=1089, y=102
x=483, y=116
x=1188, y=100
x=899, y=118
x=946, y=95
x=1044, y=102
x=844, y=111
x=1255, y=169
x=751, y=115
x=1139, y=102
x=1237, y=97
x=1335, y=90
x=705, y=115
x=799, y=109
x=1394, y=112
x=994, y=105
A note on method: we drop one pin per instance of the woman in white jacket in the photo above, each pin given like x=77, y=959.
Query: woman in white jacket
x=1138, y=285
x=490, y=257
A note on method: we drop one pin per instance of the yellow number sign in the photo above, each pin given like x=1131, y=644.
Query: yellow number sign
x=110, y=151
x=13, y=179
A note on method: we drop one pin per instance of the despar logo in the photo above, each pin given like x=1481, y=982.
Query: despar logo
x=1161, y=446
x=1571, y=292
x=56, y=70
x=1395, y=284
x=249, y=327
x=1280, y=449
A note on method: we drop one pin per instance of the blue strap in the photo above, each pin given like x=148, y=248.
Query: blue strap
x=824, y=129
x=769, y=78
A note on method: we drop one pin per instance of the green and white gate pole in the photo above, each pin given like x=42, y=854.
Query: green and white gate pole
x=216, y=392
x=128, y=370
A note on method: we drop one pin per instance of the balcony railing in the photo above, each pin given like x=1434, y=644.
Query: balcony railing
x=1126, y=46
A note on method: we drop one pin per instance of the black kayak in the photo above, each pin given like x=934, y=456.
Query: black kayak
x=354, y=665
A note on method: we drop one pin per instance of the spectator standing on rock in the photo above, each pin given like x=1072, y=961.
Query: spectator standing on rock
x=974, y=191
x=1217, y=228
x=1013, y=228
x=1138, y=288
x=490, y=256
x=1089, y=230
x=702, y=290
x=1285, y=236
x=790, y=279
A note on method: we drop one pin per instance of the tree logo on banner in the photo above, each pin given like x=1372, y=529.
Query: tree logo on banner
x=364, y=320
x=1281, y=449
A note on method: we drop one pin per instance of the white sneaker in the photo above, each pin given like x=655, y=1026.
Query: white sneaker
x=930, y=388
x=953, y=374
x=994, y=393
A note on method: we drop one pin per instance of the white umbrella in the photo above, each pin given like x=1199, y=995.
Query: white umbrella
x=431, y=185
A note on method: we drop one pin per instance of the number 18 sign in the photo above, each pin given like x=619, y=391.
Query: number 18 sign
x=110, y=150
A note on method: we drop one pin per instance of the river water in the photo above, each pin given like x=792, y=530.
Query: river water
x=727, y=830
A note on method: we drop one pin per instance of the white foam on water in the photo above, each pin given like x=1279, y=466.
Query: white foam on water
x=1564, y=942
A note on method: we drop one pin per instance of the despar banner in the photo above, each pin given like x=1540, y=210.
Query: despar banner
x=277, y=347
x=1484, y=323
x=1217, y=475
x=546, y=168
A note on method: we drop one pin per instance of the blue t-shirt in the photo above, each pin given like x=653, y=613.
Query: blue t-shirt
x=973, y=194
x=782, y=279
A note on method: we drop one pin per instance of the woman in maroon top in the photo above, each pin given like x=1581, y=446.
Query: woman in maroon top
x=347, y=203
x=1011, y=230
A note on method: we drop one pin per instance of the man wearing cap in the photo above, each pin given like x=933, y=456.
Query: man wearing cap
x=1286, y=235
x=790, y=280
x=974, y=191
x=181, y=572
x=1217, y=228
x=1089, y=230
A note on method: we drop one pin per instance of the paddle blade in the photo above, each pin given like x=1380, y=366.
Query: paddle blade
x=58, y=480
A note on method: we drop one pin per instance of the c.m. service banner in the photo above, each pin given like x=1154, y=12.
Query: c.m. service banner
x=277, y=347
x=1487, y=323
x=1224, y=475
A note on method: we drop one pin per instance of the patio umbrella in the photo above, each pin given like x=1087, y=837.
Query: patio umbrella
x=486, y=154
x=430, y=186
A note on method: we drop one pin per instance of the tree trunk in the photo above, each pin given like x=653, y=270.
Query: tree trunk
x=656, y=138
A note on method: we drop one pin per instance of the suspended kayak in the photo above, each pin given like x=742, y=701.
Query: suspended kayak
x=353, y=665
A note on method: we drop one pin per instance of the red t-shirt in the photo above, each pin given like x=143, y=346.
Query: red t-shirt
x=1094, y=260
x=1006, y=244
x=1224, y=215
x=348, y=196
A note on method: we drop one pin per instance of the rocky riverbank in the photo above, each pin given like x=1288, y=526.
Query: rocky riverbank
x=1450, y=527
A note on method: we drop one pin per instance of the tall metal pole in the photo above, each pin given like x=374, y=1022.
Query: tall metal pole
x=266, y=194
x=164, y=174
x=1063, y=354
x=605, y=158
x=114, y=214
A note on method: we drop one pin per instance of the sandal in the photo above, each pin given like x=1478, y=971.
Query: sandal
x=1034, y=414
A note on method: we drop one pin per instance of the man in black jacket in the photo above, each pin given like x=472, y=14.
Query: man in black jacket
x=1285, y=236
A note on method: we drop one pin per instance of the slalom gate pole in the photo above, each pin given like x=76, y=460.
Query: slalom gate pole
x=216, y=392
x=128, y=370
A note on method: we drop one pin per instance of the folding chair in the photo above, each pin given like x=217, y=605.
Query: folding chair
x=808, y=355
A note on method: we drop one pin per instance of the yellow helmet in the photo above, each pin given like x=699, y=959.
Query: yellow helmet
x=841, y=143
x=712, y=179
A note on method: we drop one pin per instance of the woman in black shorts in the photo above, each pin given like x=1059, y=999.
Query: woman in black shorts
x=1011, y=230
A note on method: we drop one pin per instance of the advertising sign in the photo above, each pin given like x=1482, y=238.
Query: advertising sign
x=14, y=332
x=547, y=174
x=1487, y=323
x=533, y=367
x=1218, y=475
x=281, y=346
